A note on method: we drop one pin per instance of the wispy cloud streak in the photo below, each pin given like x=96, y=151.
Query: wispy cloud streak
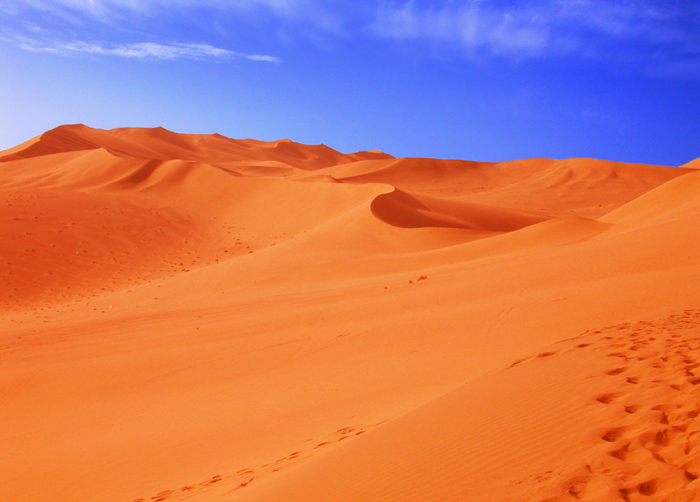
x=145, y=50
x=650, y=32
x=472, y=25
x=101, y=6
x=659, y=37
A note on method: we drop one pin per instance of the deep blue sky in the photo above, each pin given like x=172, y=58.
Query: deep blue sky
x=472, y=79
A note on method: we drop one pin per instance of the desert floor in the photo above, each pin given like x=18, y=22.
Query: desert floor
x=191, y=317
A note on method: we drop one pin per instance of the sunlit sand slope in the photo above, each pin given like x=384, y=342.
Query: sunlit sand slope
x=192, y=317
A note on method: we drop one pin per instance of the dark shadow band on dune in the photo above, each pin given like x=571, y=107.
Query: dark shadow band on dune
x=404, y=210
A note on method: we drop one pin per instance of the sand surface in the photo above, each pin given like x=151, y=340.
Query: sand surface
x=193, y=317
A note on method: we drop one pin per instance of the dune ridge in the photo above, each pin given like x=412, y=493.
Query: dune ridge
x=693, y=164
x=195, y=317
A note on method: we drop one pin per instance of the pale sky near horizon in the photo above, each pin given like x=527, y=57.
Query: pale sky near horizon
x=473, y=79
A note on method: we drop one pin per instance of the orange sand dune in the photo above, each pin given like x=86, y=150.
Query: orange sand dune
x=192, y=317
x=693, y=164
x=162, y=144
x=404, y=210
x=582, y=187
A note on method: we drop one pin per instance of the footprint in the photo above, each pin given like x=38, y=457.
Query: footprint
x=648, y=487
x=517, y=362
x=606, y=398
x=661, y=438
x=160, y=497
x=616, y=371
x=693, y=413
x=613, y=434
x=620, y=453
x=245, y=483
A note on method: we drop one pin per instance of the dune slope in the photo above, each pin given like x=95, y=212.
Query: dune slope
x=193, y=317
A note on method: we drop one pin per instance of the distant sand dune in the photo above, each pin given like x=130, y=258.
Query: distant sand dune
x=404, y=210
x=200, y=318
x=693, y=164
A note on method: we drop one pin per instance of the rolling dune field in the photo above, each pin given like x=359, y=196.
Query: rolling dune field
x=198, y=318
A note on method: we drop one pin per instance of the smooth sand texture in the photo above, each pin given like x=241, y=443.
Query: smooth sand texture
x=190, y=317
x=695, y=164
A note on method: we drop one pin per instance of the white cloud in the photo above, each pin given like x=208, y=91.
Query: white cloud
x=145, y=50
x=92, y=5
x=654, y=36
x=601, y=29
x=142, y=15
x=473, y=25
x=261, y=57
x=108, y=9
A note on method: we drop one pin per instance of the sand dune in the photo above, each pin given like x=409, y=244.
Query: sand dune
x=193, y=317
x=404, y=210
x=618, y=422
x=674, y=200
x=162, y=144
x=693, y=164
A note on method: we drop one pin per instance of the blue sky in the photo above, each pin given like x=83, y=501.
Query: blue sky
x=472, y=79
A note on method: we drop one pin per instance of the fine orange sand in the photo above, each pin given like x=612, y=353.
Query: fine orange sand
x=193, y=317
